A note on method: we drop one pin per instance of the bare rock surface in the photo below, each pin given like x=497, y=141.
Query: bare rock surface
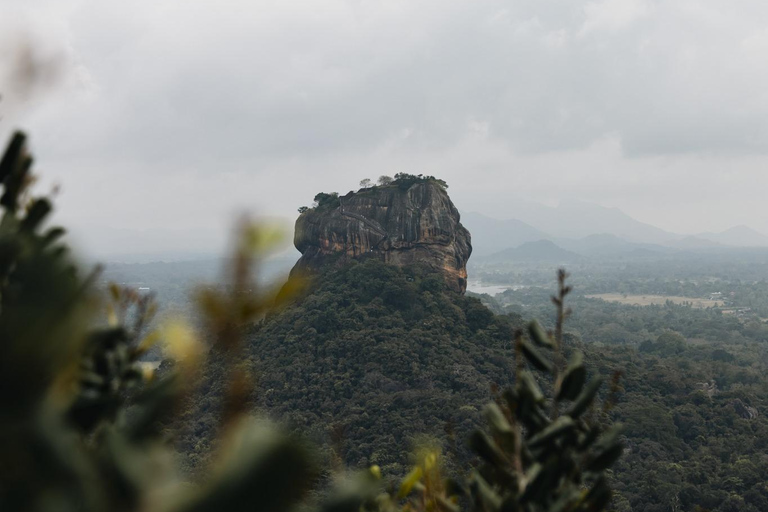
x=402, y=225
x=743, y=410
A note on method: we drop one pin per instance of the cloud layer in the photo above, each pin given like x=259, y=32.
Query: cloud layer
x=630, y=103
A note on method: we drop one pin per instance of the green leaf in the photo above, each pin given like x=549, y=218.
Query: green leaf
x=573, y=379
x=611, y=436
x=52, y=235
x=510, y=504
x=484, y=446
x=527, y=384
x=37, y=212
x=587, y=439
x=12, y=155
x=608, y=450
x=454, y=488
x=599, y=496
x=409, y=481
x=350, y=494
x=605, y=459
x=560, y=427
x=536, y=359
x=530, y=398
x=539, y=335
x=485, y=497
x=585, y=399
x=446, y=506
x=533, y=482
x=498, y=422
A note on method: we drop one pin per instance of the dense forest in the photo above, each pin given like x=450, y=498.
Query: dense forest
x=738, y=274
x=694, y=382
x=375, y=357
x=373, y=340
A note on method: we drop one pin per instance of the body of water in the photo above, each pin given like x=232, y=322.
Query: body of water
x=491, y=289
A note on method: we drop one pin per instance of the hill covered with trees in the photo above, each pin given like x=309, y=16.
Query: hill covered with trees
x=376, y=356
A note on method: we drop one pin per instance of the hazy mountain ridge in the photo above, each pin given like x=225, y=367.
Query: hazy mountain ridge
x=541, y=250
x=593, y=230
x=693, y=242
x=739, y=236
x=577, y=219
x=491, y=235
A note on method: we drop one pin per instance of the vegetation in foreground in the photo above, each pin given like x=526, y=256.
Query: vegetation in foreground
x=692, y=395
x=82, y=417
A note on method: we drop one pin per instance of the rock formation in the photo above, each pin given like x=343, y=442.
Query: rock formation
x=743, y=410
x=402, y=223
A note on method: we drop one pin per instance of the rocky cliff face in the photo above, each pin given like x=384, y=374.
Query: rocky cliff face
x=400, y=225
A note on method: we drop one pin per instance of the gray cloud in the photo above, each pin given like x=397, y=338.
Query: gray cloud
x=605, y=100
x=333, y=75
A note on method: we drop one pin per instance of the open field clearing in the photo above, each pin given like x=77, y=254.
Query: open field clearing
x=647, y=300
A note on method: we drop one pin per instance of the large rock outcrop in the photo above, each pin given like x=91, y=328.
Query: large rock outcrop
x=402, y=225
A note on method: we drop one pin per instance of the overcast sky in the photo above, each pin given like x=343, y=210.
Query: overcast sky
x=173, y=115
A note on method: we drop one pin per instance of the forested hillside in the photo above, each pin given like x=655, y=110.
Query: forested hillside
x=375, y=356
x=697, y=434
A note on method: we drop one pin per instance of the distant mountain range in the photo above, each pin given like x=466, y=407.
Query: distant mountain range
x=577, y=219
x=539, y=251
x=607, y=245
x=738, y=236
x=590, y=230
x=493, y=235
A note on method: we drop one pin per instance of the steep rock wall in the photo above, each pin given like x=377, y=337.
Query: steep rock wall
x=402, y=226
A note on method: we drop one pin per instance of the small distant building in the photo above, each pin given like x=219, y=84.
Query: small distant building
x=716, y=296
